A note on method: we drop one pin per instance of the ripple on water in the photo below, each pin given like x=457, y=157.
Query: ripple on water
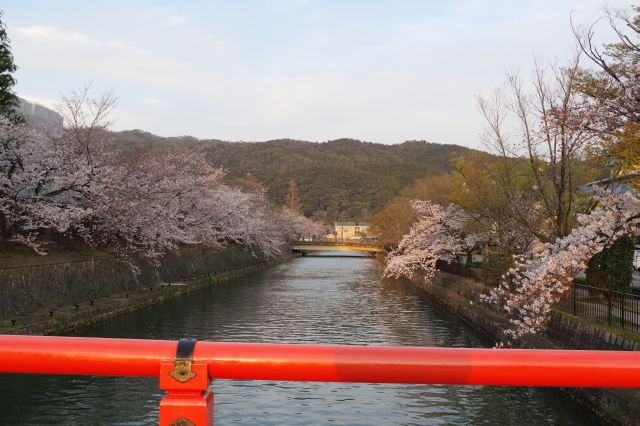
x=309, y=300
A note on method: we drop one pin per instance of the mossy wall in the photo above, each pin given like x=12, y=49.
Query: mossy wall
x=29, y=288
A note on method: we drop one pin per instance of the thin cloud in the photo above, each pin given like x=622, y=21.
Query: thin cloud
x=173, y=21
x=385, y=73
x=53, y=34
x=156, y=103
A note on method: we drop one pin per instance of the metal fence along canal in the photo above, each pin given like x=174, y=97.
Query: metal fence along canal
x=603, y=305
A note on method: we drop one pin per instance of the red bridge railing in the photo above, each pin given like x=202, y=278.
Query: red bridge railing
x=186, y=368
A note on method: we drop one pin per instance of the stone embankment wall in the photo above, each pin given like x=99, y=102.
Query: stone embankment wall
x=461, y=296
x=579, y=334
x=31, y=288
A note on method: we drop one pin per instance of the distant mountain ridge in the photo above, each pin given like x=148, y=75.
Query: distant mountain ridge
x=343, y=178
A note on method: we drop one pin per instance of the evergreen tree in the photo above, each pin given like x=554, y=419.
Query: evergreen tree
x=612, y=267
x=8, y=99
x=292, y=199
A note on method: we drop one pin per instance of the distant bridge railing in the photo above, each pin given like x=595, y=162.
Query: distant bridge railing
x=186, y=368
x=371, y=246
x=348, y=241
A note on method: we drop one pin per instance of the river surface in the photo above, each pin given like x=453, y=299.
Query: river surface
x=328, y=300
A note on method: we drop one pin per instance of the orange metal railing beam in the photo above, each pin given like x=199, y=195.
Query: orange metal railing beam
x=325, y=363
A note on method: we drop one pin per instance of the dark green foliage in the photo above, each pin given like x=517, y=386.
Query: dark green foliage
x=8, y=99
x=611, y=268
x=343, y=178
x=496, y=262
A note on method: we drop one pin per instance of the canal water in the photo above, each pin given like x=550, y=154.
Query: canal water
x=329, y=300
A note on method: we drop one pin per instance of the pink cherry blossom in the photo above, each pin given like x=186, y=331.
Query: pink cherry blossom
x=438, y=232
x=531, y=288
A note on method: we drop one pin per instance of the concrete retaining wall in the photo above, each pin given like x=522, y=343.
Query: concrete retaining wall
x=580, y=334
x=460, y=295
x=31, y=288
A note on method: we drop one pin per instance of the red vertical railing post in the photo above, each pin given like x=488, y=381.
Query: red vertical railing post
x=188, y=403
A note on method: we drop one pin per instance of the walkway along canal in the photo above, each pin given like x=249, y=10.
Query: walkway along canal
x=308, y=300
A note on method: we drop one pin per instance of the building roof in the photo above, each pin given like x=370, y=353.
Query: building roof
x=352, y=224
x=616, y=183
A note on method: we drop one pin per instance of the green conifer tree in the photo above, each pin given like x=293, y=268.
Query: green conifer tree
x=612, y=267
x=8, y=99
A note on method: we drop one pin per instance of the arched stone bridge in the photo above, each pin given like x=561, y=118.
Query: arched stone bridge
x=304, y=247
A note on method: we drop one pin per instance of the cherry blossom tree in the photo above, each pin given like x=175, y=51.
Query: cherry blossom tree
x=152, y=204
x=87, y=120
x=144, y=205
x=531, y=287
x=139, y=203
x=438, y=232
x=296, y=226
x=40, y=184
x=533, y=284
x=240, y=217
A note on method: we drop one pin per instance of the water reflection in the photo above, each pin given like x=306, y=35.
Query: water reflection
x=332, y=300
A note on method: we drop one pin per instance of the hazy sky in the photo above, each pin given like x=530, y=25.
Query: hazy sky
x=315, y=70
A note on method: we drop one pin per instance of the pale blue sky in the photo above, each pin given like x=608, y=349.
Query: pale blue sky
x=380, y=71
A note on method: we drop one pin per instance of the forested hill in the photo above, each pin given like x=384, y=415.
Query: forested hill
x=342, y=178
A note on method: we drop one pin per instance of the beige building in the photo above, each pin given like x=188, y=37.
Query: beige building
x=351, y=230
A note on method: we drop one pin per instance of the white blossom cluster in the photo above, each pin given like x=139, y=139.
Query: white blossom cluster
x=40, y=184
x=438, y=232
x=530, y=289
x=140, y=204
